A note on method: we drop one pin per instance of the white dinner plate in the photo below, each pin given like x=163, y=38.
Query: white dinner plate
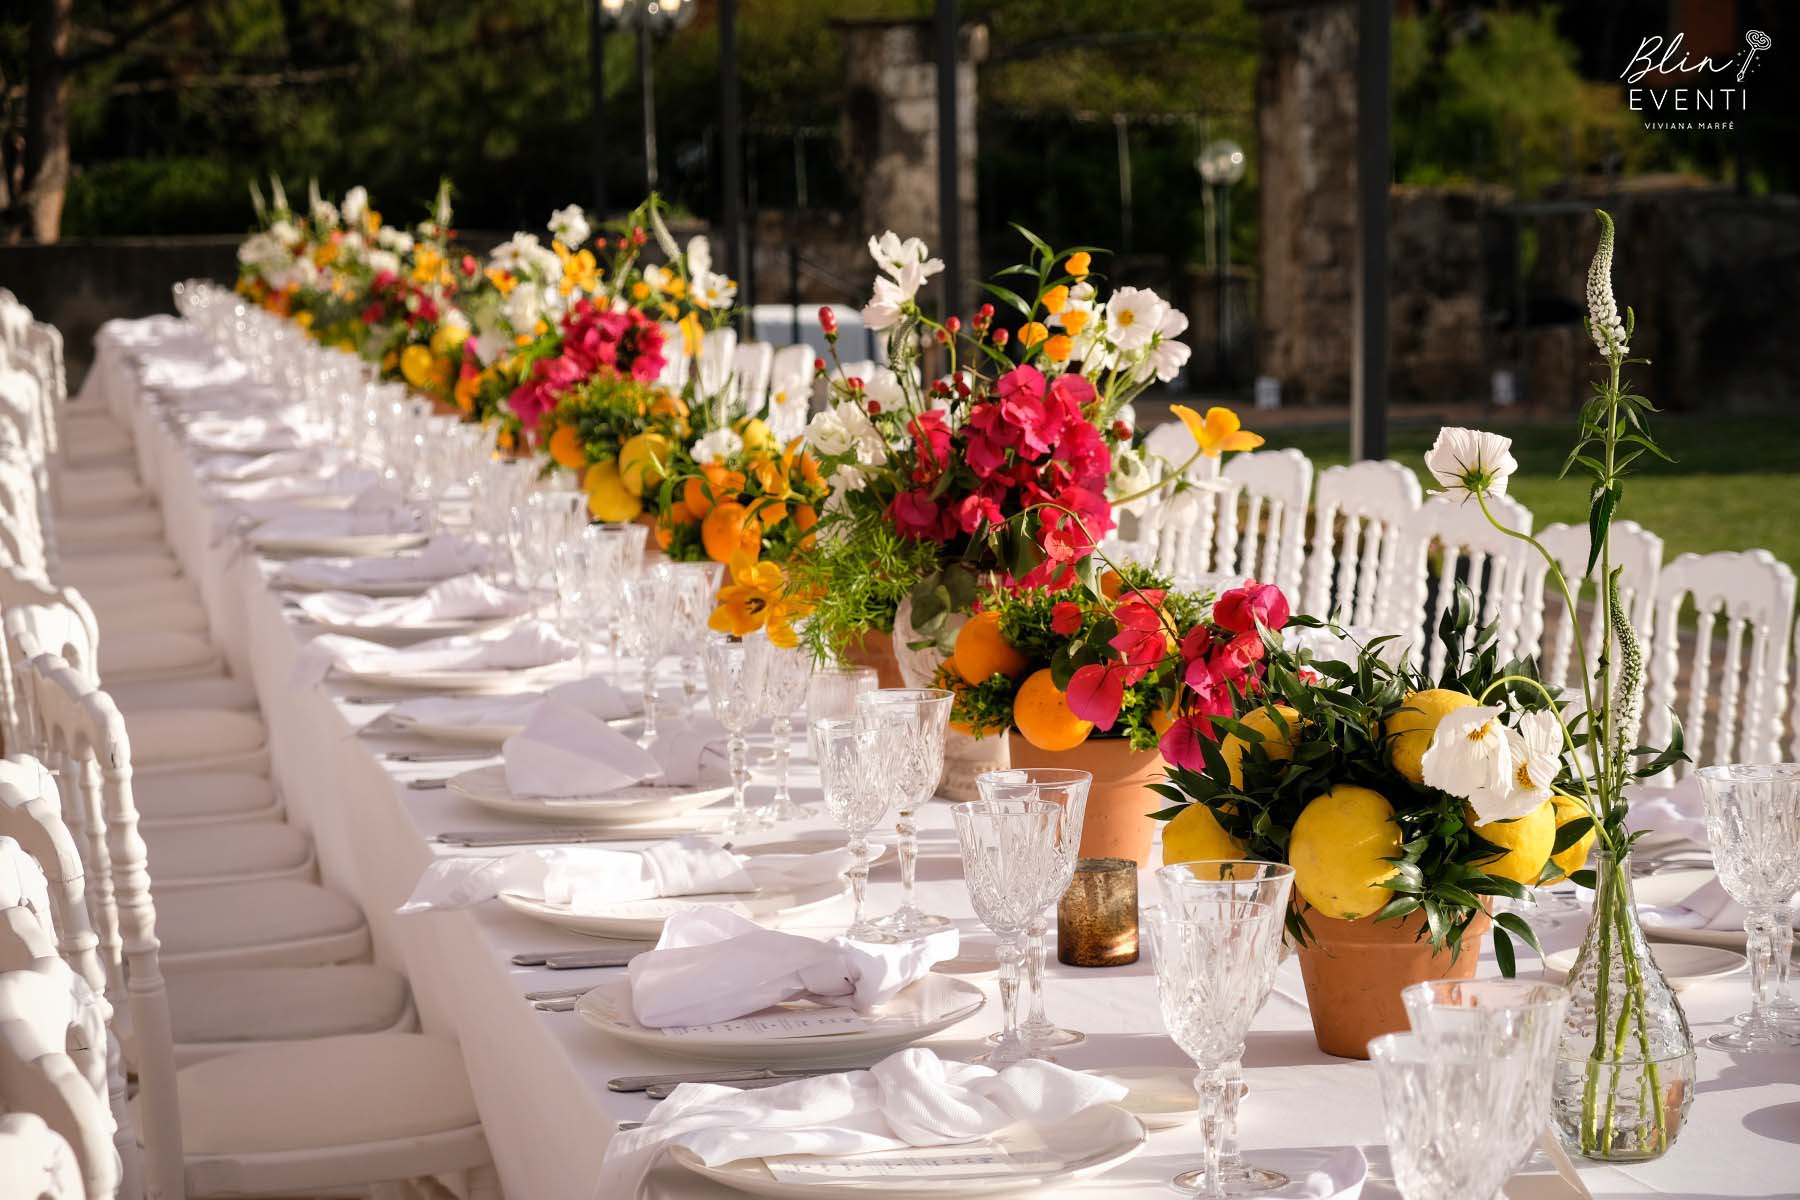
x=490, y=679
x=1682, y=965
x=934, y=1003
x=376, y=587
x=409, y=633
x=1160, y=1097
x=487, y=787
x=355, y=545
x=462, y=735
x=1089, y=1143
x=642, y=920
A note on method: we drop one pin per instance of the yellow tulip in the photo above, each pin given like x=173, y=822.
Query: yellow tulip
x=1220, y=432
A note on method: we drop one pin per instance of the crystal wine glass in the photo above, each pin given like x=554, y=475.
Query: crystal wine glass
x=1448, y=1105
x=786, y=670
x=1068, y=790
x=645, y=601
x=1753, y=824
x=909, y=726
x=1009, y=857
x=1217, y=941
x=832, y=692
x=694, y=590
x=1508, y=1016
x=853, y=796
x=735, y=692
x=629, y=541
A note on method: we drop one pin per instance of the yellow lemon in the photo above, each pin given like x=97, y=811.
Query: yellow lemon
x=1409, y=730
x=1525, y=843
x=415, y=365
x=1195, y=834
x=1337, y=849
x=1276, y=743
x=644, y=462
x=1576, y=856
x=756, y=434
x=608, y=499
x=448, y=338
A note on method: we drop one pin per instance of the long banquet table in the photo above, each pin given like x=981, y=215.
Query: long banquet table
x=540, y=1078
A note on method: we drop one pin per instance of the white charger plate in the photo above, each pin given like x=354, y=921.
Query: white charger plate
x=934, y=1003
x=358, y=545
x=487, y=787
x=1683, y=965
x=1089, y=1143
x=642, y=920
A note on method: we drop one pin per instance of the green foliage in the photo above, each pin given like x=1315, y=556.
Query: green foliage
x=858, y=576
x=156, y=196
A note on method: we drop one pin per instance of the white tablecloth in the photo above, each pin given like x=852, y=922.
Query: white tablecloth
x=540, y=1078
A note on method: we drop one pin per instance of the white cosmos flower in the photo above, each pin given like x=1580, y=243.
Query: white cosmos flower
x=717, y=446
x=895, y=256
x=883, y=309
x=569, y=226
x=828, y=434
x=883, y=387
x=1167, y=356
x=1536, y=748
x=524, y=306
x=384, y=262
x=1469, y=462
x=713, y=291
x=1470, y=755
x=1133, y=316
x=356, y=205
x=658, y=278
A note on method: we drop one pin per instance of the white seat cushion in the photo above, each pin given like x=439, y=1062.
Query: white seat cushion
x=98, y=489
x=145, y=655
x=340, y=1091
x=237, y=850
x=134, y=696
x=119, y=567
x=89, y=534
x=209, y=797
x=178, y=616
x=281, y=923
x=285, y=1004
x=171, y=737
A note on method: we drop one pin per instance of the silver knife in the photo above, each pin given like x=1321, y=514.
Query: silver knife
x=567, y=993
x=478, y=838
x=537, y=958
x=429, y=756
x=428, y=785
x=581, y=960
x=661, y=1091
x=638, y=1083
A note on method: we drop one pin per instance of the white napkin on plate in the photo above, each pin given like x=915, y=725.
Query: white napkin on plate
x=1708, y=907
x=912, y=1098
x=248, y=434
x=598, y=696
x=1676, y=811
x=534, y=644
x=244, y=468
x=375, y=511
x=566, y=752
x=439, y=559
x=464, y=598
x=326, y=482
x=595, y=696
x=588, y=879
x=711, y=965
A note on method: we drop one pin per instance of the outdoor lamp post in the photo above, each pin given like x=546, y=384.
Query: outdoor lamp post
x=652, y=20
x=1221, y=164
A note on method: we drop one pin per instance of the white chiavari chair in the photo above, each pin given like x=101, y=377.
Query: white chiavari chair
x=1728, y=689
x=859, y=368
x=676, y=361
x=1636, y=553
x=1357, y=517
x=790, y=392
x=1263, y=534
x=712, y=372
x=36, y=1162
x=301, y=1118
x=751, y=364
x=1467, y=548
x=1794, y=708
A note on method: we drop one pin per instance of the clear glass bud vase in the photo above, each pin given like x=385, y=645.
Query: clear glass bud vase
x=1625, y=1066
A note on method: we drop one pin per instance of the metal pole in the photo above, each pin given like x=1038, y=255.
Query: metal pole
x=1122, y=138
x=1222, y=274
x=597, y=100
x=732, y=156
x=949, y=193
x=1368, y=378
x=645, y=72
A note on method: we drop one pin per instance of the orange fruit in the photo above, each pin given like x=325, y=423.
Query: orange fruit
x=1111, y=583
x=1041, y=714
x=981, y=651
x=728, y=530
x=721, y=481
x=566, y=449
x=680, y=514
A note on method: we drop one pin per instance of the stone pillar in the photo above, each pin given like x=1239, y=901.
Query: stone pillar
x=1306, y=130
x=890, y=133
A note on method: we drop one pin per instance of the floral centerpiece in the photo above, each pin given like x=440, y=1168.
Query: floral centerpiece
x=1626, y=1069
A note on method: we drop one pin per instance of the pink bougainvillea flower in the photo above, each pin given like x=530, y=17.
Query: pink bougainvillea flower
x=1065, y=617
x=1241, y=609
x=915, y=515
x=1097, y=692
x=1141, y=640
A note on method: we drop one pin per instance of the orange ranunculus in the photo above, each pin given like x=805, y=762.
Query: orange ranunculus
x=1059, y=347
x=1031, y=333
x=1220, y=432
x=1057, y=298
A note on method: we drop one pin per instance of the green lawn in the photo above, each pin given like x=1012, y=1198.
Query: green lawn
x=1736, y=485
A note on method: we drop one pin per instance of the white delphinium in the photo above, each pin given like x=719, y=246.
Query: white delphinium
x=1133, y=316
x=1471, y=756
x=717, y=446
x=570, y=226
x=356, y=205
x=1469, y=462
x=1604, y=325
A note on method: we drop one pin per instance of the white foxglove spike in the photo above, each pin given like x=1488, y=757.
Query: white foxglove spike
x=1604, y=325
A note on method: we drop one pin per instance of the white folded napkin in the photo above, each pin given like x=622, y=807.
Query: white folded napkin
x=321, y=483
x=439, y=559
x=598, y=696
x=245, y=435
x=273, y=465
x=1708, y=907
x=712, y=965
x=534, y=644
x=375, y=511
x=689, y=749
x=1677, y=811
x=588, y=879
x=912, y=1098
x=566, y=752
x=464, y=598
x=595, y=696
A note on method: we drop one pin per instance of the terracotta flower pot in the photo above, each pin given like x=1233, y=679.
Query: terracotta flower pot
x=876, y=649
x=1356, y=970
x=1117, y=824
